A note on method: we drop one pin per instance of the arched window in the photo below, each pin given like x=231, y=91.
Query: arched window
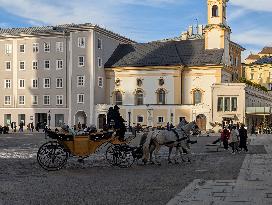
x=118, y=98
x=197, y=97
x=161, y=96
x=139, y=97
x=215, y=11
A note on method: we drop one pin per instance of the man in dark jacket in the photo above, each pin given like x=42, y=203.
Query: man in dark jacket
x=119, y=124
x=243, y=138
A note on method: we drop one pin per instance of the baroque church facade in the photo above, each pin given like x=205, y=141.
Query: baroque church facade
x=165, y=81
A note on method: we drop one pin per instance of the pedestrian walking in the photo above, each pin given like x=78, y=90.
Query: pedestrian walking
x=21, y=126
x=234, y=139
x=225, y=135
x=243, y=138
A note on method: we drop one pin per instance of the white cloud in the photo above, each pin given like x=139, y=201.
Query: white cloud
x=255, y=5
x=257, y=37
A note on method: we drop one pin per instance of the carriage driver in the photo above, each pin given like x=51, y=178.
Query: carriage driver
x=119, y=125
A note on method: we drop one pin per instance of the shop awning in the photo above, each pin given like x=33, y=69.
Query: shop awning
x=258, y=110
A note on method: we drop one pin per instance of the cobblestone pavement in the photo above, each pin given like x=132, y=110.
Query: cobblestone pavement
x=252, y=187
x=23, y=181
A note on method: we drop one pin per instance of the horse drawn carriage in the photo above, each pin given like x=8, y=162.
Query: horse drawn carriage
x=53, y=154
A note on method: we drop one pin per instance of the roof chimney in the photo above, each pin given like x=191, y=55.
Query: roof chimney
x=200, y=30
x=191, y=30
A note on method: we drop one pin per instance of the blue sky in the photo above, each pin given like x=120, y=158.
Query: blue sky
x=144, y=20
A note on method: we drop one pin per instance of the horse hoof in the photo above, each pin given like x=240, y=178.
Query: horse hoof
x=159, y=164
x=144, y=161
x=152, y=162
x=169, y=162
x=176, y=162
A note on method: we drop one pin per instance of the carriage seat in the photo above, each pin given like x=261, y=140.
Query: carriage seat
x=100, y=136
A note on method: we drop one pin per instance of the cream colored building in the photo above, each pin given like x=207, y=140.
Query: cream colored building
x=164, y=81
x=258, y=68
x=56, y=70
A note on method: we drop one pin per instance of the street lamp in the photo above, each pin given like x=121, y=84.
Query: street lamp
x=49, y=119
x=129, y=120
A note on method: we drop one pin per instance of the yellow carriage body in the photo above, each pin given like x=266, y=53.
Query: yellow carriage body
x=83, y=146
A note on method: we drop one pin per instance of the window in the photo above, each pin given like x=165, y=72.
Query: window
x=80, y=81
x=59, y=120
x=80, y=98
x=46, y=100
x=59, y=100
x=81, y=42
x=251, y=76
x=227, y=104
x=270, y=86
x=22, y=48
x=59, y=46
x=35, y=83
x=34, y=100
x=161, y=96
x=8, y=65
x=139, y=97
x=35, y=47
x=270, y=75
x=140, y=119
x=260, y=75
x=99, y=62
x=81, y=61
x=21, y=99
x=161, y=82
x=197, y=97
x=160, y=120
x=8, y=48
x=59, y=64
x=21, y=83
x=220, y=104
x=100, y=82
x=118, y=98
x=139, y=82
x=47, y=64
x=59, y=83
x=99, y=43
x=7, y=100
x=46, y=47
x=46, y=82
x=215, y=11
x=7, y=83
x=22, y=65
x=234, y=104
x=34, y=65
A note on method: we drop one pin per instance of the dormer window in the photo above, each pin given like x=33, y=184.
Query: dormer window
x=139, y=82
x=215, y=11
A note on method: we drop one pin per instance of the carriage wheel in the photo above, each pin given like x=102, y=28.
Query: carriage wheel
x=125, y=157
x=52, y=156
x=113, y=154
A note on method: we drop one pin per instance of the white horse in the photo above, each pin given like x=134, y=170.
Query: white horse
x=178, y=138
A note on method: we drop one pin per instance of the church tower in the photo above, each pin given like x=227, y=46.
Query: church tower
x=217, y=32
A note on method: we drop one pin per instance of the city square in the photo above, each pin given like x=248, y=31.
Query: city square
x=135, y=102
x=23, y=181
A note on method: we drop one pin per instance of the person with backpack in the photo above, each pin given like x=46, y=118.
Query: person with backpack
x=225, y=135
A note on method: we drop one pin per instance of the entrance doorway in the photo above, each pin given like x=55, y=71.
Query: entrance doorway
x=41, y=118
x=81, y=117
x=201, y=122
x=101, y=121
